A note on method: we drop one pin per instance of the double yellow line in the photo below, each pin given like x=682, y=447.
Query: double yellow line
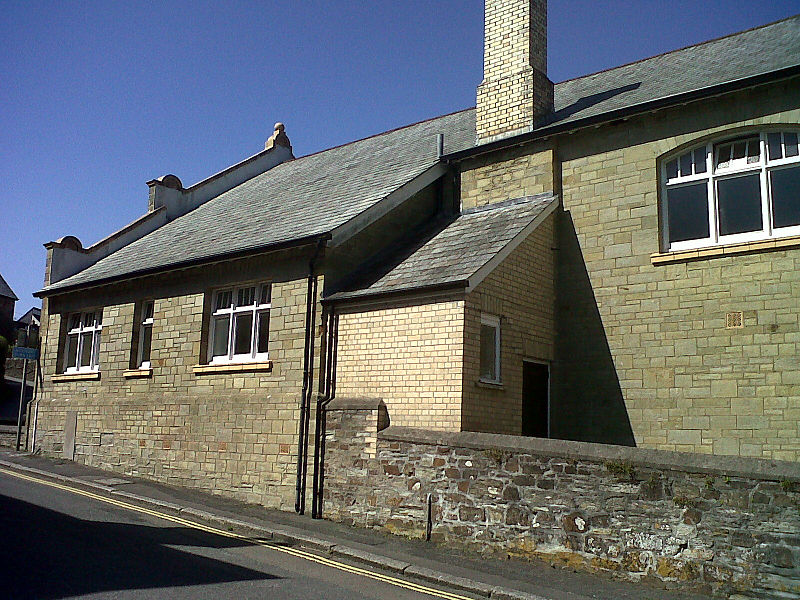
x=250, y=540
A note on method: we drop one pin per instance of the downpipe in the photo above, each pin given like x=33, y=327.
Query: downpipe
x=327, y=393
x=305, y=397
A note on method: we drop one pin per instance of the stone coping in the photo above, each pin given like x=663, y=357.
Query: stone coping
x=75, y=376
x=660, y=258
x=232, y=368
x=734, y=466
x=137, y=373
x=355, y=404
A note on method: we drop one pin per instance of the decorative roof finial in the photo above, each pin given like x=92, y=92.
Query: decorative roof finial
x=278, y=138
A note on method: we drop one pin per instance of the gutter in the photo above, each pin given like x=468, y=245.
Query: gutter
x=345, y=297
x=626, y=112
x=44, y=293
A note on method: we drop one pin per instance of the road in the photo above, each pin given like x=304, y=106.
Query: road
x=59, y=544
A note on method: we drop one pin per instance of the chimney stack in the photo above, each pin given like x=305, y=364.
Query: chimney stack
x=515, y=94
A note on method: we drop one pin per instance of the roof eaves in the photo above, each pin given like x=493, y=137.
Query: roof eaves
x=356, y=296
x=628, y=111
x=304, y=241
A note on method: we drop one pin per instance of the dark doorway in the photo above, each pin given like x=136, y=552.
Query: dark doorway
x=535, y=399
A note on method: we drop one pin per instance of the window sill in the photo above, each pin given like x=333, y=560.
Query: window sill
x=76, y=376
x=232, y=368
x=137, y=373
x=489, y=385
x=660, y=258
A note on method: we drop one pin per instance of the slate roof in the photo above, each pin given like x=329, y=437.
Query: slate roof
x=6, y=291
x=724, y=60
x=454, y=253
x=315, y=194
x=34, y=315
x=309, y=196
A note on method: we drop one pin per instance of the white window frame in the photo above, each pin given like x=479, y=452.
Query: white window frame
x=232, y=310
x=84, y=332
x=494, y=322
x=713, y=175
x=145, y=324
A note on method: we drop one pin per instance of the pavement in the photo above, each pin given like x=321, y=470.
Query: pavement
x=413, y=560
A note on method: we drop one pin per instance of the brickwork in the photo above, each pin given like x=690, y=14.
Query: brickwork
x=515, y=90
x=647, y=343
x=228, y=433
x=409, y=355
x=521, y=291
x=506, y=175
x=720, y=525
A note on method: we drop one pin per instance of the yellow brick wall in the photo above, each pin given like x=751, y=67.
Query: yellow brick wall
x=227, y=433
x=507, y=175
x=521, y=291
x=657, y=332
x=410, y=356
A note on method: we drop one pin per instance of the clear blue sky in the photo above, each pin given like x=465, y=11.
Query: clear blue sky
x=99, y=97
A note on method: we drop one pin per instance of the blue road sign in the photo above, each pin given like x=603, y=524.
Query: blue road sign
x=28, y=353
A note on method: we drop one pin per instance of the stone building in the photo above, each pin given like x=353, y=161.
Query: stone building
x=614, y=258
x=8, y=299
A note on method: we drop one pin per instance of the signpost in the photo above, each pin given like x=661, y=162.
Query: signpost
x=25, y=354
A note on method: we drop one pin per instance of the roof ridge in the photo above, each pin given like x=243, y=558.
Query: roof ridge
x=716, y=39
x=374, y=135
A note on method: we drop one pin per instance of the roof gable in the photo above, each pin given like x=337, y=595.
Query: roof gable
x=6, y=291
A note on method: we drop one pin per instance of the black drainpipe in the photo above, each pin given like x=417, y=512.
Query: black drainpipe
x=308, y=370
x=327, y=393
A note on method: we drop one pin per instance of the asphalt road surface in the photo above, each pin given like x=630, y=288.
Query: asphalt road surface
x=57, y=544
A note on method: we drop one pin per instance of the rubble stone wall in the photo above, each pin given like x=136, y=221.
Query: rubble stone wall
x=720, y=525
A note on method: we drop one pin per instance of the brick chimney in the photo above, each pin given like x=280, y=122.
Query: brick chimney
x=515, y=94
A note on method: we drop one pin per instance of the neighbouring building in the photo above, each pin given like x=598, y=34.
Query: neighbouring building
x=8, y=299
x=613, y=258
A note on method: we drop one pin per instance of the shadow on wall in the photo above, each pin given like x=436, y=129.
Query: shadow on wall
x=587, y=403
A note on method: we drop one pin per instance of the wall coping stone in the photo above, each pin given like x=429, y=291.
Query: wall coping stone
x=355, y=404
x=735, y=466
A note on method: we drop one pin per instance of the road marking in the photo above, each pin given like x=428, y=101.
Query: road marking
x=254, y=541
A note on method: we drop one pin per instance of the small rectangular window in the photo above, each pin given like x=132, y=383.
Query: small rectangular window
x=687, y=212
x=785, y=189
x=145, y=335
x=790, y=144
x=221, y=334
x=774, y=146
x=739, y=200
x=244, y=334
x=700, y=160
x=490, y=349
x=686, y=164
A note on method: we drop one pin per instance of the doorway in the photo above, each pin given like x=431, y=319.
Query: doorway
x=535, y=399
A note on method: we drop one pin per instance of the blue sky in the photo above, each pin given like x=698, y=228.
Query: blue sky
x=99, y=97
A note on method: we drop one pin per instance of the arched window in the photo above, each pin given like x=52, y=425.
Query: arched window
x=734, y=190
